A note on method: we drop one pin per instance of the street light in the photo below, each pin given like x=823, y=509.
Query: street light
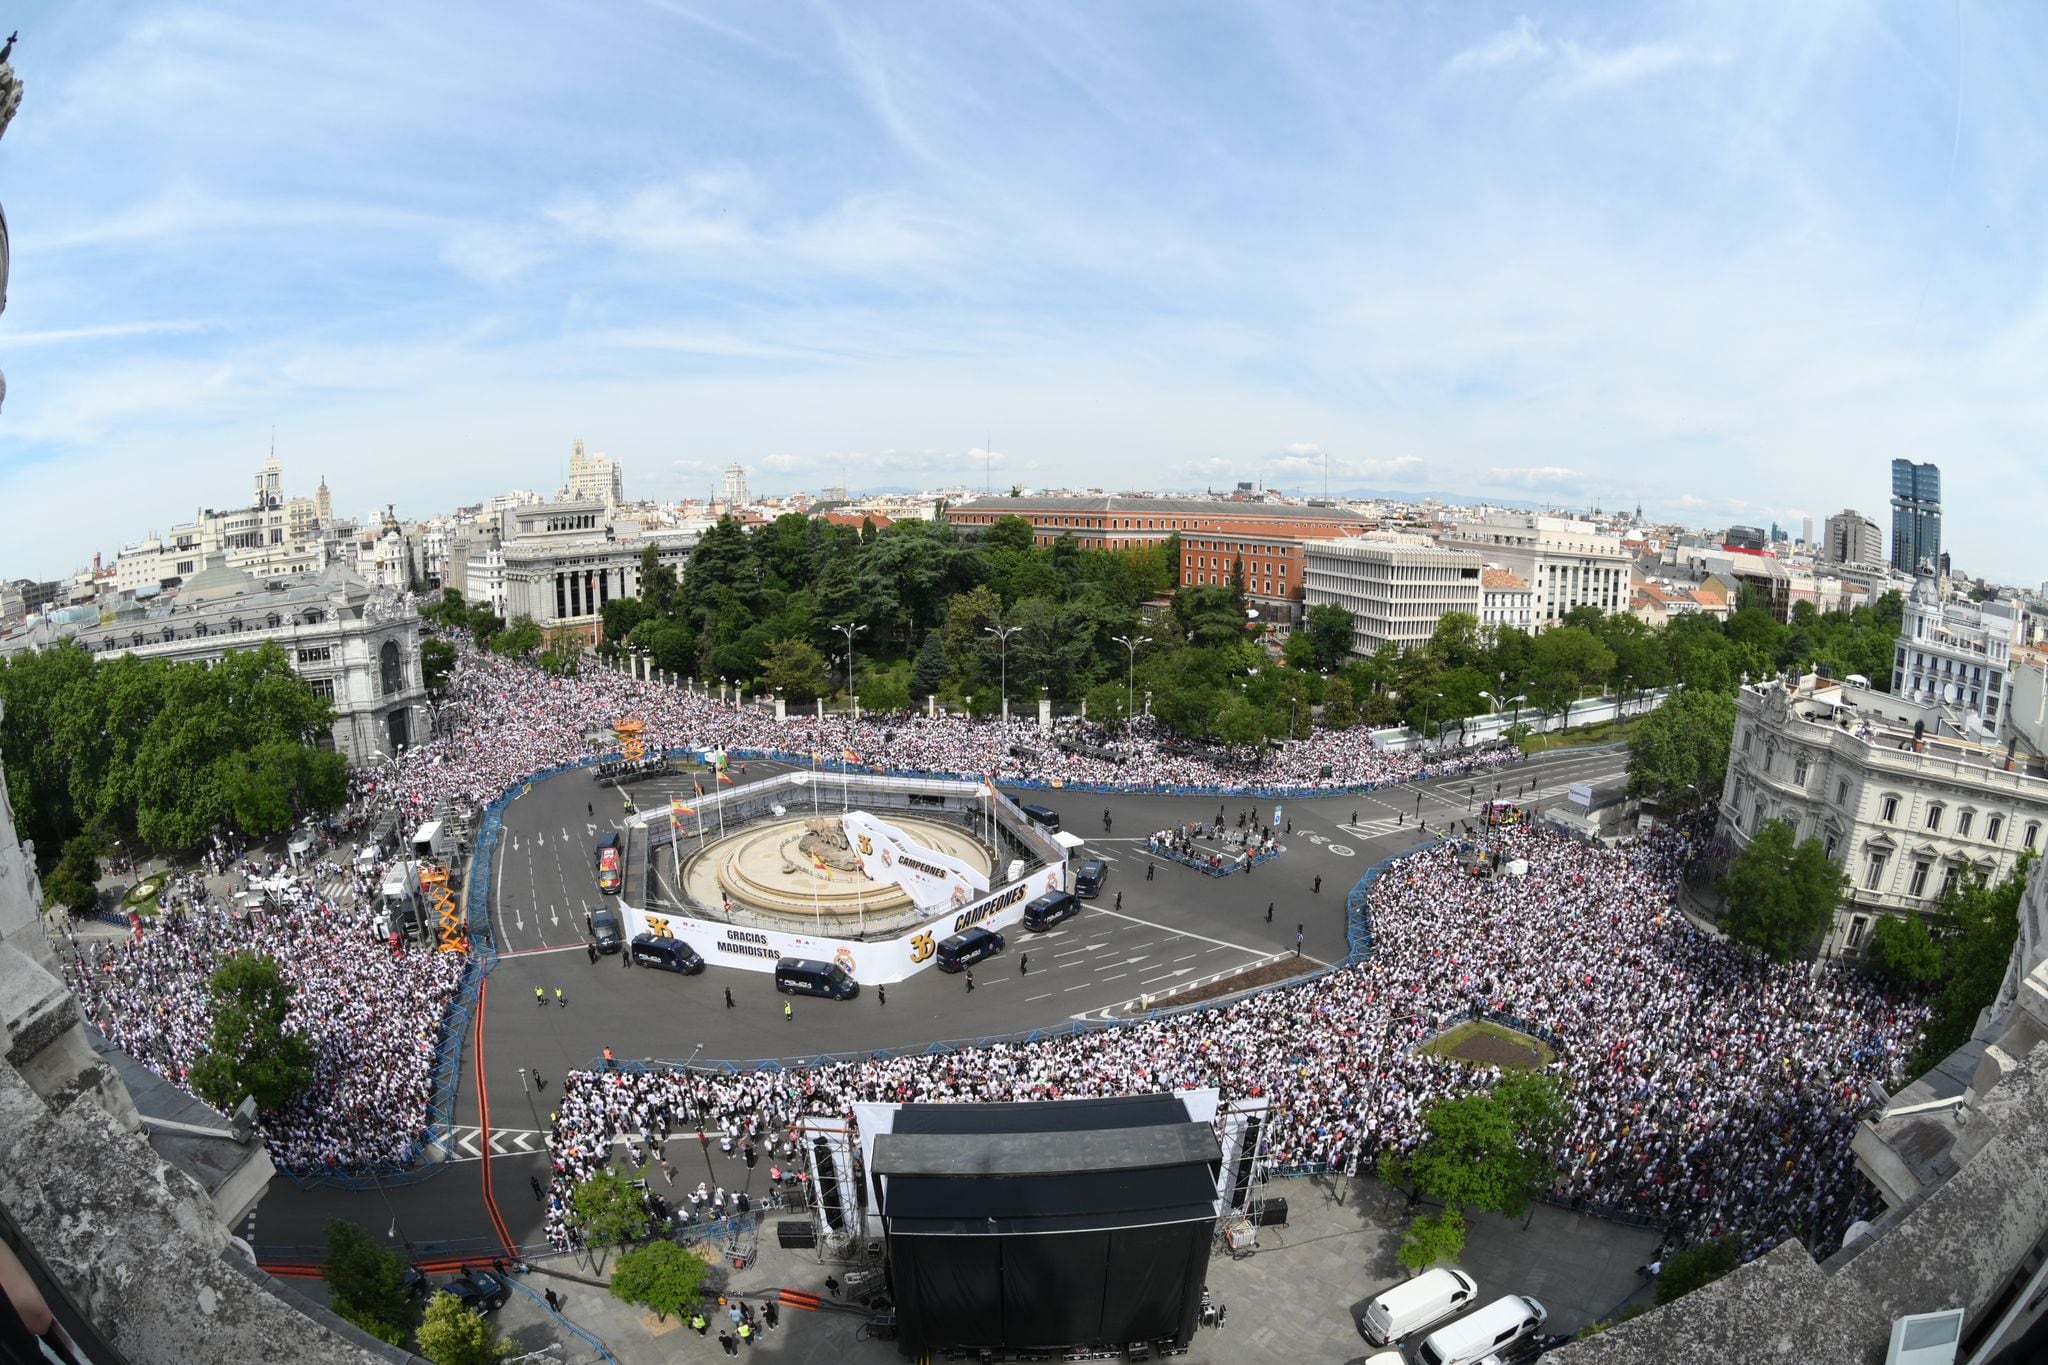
x=1003, y=634
x=1131, y=674
x=849, y=630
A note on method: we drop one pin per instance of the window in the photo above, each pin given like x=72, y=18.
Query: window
x=323, y=688
x=2032, y=836
x=1842, y=792
x=1832, y=839
x=1799, y=771
x=318, y=654
x=1965, y=819
x=1888, y=809
x=1856, y=928
x=1917, y=886
x=1874, y=873
x=1949, y=876
x=1934, y=816
x=1756, y=815
x=1993, y=827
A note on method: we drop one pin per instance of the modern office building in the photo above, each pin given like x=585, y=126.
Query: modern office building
x=1916, y=516
x=1565, y=561
x=1396, y=587
x=1852, y=538
x=1956, y=655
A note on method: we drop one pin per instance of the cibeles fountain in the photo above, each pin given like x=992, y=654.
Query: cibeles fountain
x=811, y=869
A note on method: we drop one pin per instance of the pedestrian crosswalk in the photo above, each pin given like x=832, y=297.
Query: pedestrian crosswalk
x=464, y=1142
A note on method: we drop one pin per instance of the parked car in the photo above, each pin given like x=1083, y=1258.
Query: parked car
x=479, y=1291
x=609, y=876
x=604, y=927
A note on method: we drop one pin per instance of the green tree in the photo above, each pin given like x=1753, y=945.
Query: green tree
x=607, y=1210
x=660, y=1275
x=520, y=640
x=796, y=669
x=74, y=882
x=1904, y=952
x=1687, y=1270
x=621, y=614
x=1486, y=1151
x=1681, y=748
x=928, y=671
x=249, y=1051
x=1340, y=708
x=452, y=1335
x=1982, y=924
x=1008, y=533
x=1564, y=661
x=1329, y=634
x=1432, y=1239
x=365, y=1283
x=437, y=663
x=1780, y=894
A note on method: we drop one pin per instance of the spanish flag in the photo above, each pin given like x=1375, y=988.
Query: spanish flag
x=676, y=807
x=850, y=756
x=722, y=777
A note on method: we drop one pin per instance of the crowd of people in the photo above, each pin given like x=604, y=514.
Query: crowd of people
x=1710, y=1092
x=374, y=1016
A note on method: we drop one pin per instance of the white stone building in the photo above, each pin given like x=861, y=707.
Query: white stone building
x=357, y=645
x=1957, y=655
x=1566, y=562
x=1394, y=586
x=564, y=560
x=269, y=536
x=1903, y=816
x=1506, y=599
x=594, y=478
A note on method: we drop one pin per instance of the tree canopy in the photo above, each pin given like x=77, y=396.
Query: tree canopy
x=164, y=753
x=660, y=1275
x=606, y=1209
x=452, y=1335
x=1781, y=894
x=1681, y=748
x=365, y=1283
x=250, y=1051
x=1489, y=1151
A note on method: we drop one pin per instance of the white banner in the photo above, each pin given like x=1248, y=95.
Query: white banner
x=931, y=879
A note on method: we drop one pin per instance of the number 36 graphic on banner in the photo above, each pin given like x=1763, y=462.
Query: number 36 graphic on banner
x=921, y=947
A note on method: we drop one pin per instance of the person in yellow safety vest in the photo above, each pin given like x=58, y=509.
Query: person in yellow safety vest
x=540, y=997
x=746, y=1331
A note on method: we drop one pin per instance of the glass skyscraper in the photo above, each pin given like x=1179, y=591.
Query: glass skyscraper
x=1916, y=515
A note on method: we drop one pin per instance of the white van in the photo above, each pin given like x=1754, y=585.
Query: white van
x=1478, y=1335
x=1404, y=1309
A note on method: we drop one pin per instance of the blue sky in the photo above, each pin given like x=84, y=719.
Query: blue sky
x=1723, y=260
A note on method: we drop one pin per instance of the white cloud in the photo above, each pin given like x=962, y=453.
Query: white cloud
x=1517, y=43
x=1588, y=69
x=105, y=331
x=783, y=462
x=1535, y=476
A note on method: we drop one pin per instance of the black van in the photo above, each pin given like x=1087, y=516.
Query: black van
x=1088, y=880
x=668, y=954
x=1050, y=909
x=803, y=976
x=604, y=927
x=1045, y=817
x=968, y=947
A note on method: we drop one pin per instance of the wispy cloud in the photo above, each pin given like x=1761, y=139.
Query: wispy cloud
x=105, y=331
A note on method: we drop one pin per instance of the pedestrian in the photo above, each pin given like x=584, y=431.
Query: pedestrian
x=882, y=995
x=728, y=997
x=534, y=1181
x=540, y=1082
x=1269, y=912
x=747, y=1332
x=540, y=998
x=590, y=810
x=1024, y=965
x=772, y=1313
x=832, y=1286
x=1354, y=817
x=1297, y=939
x=732, y=1306
x=1119, y=900
x=554, y=1301
x=1650, y=1270
x=561, y=999
x=1319, y=884
x=970, y=983
x=697, y=1321
x=626, y=959
x=590, y=946
x=725, y=1343
x=788, y=1011
x=1149, y=870
x=609, y=1064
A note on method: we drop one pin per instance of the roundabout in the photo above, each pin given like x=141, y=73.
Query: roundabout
x=806, y=870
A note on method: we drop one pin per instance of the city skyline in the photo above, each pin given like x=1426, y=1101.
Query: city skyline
x=1724, y=265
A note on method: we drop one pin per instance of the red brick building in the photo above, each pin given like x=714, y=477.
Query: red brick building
x=1214, y=534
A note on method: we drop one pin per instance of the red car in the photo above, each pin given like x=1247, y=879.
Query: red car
x=608, y=876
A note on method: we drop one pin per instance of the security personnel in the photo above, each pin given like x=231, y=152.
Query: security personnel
x=788, y=1011
x=540, y=997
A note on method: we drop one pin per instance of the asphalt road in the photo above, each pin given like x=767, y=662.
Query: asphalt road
x=1182, y=926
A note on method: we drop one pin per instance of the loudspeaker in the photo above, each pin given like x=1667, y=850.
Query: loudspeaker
x=794, y=1233
x=1270, y=1213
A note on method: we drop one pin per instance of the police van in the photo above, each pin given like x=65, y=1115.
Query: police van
x=968, y=947
x=803, y=976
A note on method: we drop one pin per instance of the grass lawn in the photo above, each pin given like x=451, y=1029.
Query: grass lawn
x=141, y=897
x=1600, y=732
x=1490, y=1044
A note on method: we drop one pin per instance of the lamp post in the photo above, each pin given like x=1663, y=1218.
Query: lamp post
x=1131, y=673
x=1003, y=634
x=849, y=630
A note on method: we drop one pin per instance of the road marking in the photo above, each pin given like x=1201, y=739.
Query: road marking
x=1164, y=976
x=1190, y=957
x=1169, y=929
x=1217, y=949
x=1034, y=999
x=1082, y=987
x=1134, y=961
x=1341, y=850
x=1118, y=977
